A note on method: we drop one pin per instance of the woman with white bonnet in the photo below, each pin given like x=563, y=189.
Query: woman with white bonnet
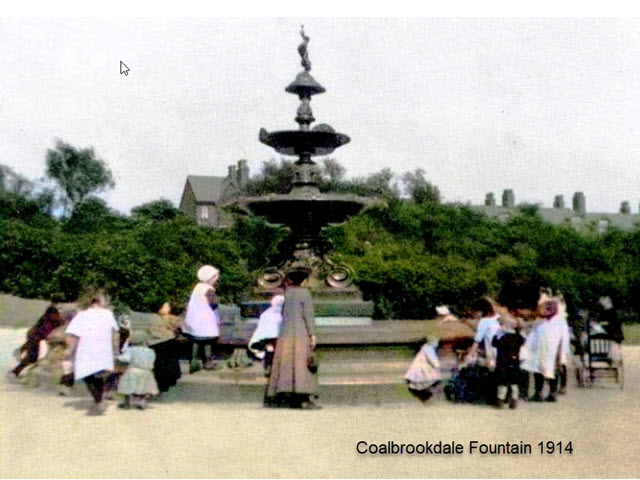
x=263, y=342
x=201, y=322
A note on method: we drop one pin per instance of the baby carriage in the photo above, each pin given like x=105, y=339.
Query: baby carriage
x=470, y=381
x=599, y=357
x=471, y=384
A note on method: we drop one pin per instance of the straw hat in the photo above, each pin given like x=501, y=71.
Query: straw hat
x=298, y=274
x=208, y=274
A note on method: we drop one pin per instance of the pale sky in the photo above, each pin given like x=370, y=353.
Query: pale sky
x=544, y=106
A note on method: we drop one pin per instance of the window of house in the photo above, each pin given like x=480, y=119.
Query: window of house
x=576, y=222
x=204, y=212
x=602, y=226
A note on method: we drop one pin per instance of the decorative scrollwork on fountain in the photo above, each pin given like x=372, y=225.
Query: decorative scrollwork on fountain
x=271, y=278
x=340, y=276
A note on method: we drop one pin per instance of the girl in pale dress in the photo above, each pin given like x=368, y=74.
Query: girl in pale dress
x=263, y=341
x=137, y=382
x=201, y=322
x=424, y=371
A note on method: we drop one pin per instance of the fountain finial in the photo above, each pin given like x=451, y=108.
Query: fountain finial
x=302, y=50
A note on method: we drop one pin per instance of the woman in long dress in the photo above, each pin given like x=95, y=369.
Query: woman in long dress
x=162, y=341
x=292, y=382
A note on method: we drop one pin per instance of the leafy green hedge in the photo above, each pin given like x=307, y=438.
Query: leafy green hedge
x=408, y=256
x=418, y=256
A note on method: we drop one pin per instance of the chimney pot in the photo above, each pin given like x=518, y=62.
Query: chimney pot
x=579, y=203
x=558, y=201
x=490, y=200
x=625, y=208
x=508, y=198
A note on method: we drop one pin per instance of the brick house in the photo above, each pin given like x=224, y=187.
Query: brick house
x=203, y=195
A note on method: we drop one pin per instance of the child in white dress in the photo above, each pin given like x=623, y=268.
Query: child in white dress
x=263, y=342
x=424, y=371
x=137, y=382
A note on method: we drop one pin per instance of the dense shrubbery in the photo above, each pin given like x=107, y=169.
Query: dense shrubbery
x=141, y=261
x=419, y=255
x=409, y=255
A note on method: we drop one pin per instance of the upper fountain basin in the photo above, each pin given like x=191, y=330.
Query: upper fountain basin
x=296, y=142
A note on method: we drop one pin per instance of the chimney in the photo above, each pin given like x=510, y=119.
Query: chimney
x=490, y=200
x=558, y=201
x=579, y=203
x=243, y=173
x=625, y=208
x=508, y=198
x=233, y=173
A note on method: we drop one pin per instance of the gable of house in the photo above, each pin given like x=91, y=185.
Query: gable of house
x=202, y=198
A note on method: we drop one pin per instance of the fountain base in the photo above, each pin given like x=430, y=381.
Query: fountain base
x=332, y=307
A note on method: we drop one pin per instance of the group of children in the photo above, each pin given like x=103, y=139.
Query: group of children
x=499, y=347
x=505, y=355
x=113, y=358
x=121, y=363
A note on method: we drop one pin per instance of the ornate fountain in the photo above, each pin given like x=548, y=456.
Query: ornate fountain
x=305, y=211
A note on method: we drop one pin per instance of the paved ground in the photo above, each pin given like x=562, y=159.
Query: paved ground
x=46, y=436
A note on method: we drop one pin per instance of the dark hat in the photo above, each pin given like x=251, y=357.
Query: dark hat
x=297, y=275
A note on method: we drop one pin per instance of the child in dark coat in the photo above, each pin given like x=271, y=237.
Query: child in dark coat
x=508, y=342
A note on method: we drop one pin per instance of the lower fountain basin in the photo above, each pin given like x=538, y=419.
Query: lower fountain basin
x=311, y=211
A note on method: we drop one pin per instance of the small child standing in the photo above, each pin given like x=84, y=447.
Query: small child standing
x=424, y=371
x=137, y=382
x=508, y=342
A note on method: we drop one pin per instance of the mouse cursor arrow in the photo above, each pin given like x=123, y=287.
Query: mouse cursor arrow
x=123, y=69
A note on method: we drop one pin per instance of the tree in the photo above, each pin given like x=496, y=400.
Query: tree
x=157, y=210
x=417, y=186
x=77, y=172
x=380, y=184
x=93, y=215
x=23, y=198
x=333, y=170
x=15, y=183
x=274, y=178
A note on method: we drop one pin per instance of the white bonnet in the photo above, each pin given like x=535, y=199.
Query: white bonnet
x=208, y=273
x=443, y=310
x=277, y=301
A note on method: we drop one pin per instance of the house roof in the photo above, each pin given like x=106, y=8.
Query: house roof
x=207, y=189
x=558, y=216
x=623, y=221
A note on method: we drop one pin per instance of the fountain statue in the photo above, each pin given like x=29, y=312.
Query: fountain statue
x=305, y=211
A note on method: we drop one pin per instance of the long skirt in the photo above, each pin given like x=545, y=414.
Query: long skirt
x=290, y=371
x=136, y=381
x=166, y=368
